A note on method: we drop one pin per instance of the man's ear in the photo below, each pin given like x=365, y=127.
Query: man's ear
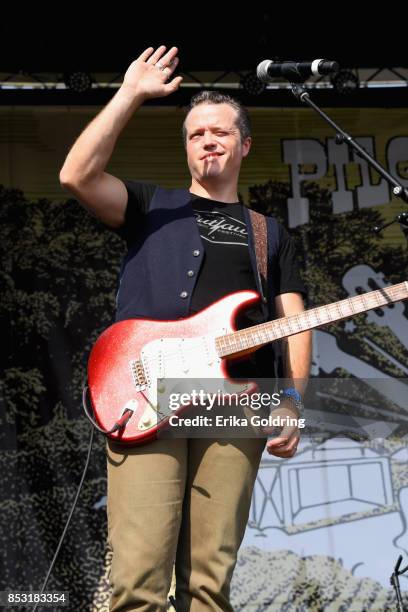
x=246, y=146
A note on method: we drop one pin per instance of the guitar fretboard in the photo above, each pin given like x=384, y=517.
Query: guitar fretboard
x=264, y=333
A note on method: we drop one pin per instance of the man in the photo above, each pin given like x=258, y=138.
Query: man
x=182, y=500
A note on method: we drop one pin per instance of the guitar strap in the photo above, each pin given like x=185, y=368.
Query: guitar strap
x=259, y=231
x=260, y=236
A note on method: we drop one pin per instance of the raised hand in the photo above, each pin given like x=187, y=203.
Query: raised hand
x=148, y=76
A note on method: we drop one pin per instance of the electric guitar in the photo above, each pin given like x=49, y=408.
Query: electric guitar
x=131, y=360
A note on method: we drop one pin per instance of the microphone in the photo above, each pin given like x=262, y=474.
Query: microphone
x=294, y=71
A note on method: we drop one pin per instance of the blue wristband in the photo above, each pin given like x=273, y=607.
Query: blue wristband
x=293, y=393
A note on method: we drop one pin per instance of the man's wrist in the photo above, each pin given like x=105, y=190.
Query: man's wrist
x=132, y=95
x=294, y=398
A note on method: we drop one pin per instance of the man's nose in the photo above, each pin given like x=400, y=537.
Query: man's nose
x=209, y=140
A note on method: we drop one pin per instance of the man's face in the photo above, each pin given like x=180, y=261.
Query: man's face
x=214, y=147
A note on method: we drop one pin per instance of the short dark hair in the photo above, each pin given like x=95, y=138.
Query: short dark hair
x=243, y=121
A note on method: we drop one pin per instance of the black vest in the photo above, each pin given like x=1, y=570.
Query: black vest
x=155, y=277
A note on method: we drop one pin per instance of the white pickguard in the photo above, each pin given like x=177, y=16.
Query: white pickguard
x=178, y=365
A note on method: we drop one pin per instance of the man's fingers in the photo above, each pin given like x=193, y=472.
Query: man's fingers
x=284, y=436
x=293, y=444
x=283, y=446
x=174, y=84
x=146, y=54
x=167, y=59
x=173, y=64
x=156, y=55
x=168, y=69
x=283, y=454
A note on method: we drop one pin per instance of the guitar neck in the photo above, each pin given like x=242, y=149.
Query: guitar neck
x=254, y=337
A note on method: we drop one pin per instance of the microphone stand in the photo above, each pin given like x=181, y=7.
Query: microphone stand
x=300, y=92
x=394, y=580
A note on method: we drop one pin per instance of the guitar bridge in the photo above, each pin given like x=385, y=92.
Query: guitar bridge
x=138, y=374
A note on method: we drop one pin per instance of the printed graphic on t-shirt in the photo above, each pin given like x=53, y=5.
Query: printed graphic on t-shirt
x=220, y=228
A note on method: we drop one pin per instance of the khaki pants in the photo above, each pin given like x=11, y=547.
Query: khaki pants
x=178, y=501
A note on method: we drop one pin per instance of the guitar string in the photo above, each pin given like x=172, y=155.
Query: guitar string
x=268, y=327
x=295, y=318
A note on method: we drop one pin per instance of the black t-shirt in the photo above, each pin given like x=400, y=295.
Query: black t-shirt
x=226, y=266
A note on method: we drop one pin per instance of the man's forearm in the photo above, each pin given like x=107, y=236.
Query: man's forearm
x=296, y=349
x=297, y=355
x=91, y=152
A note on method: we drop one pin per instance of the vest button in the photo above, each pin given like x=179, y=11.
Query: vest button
x=196, y=253
x=183, y=294
x=190, y=273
